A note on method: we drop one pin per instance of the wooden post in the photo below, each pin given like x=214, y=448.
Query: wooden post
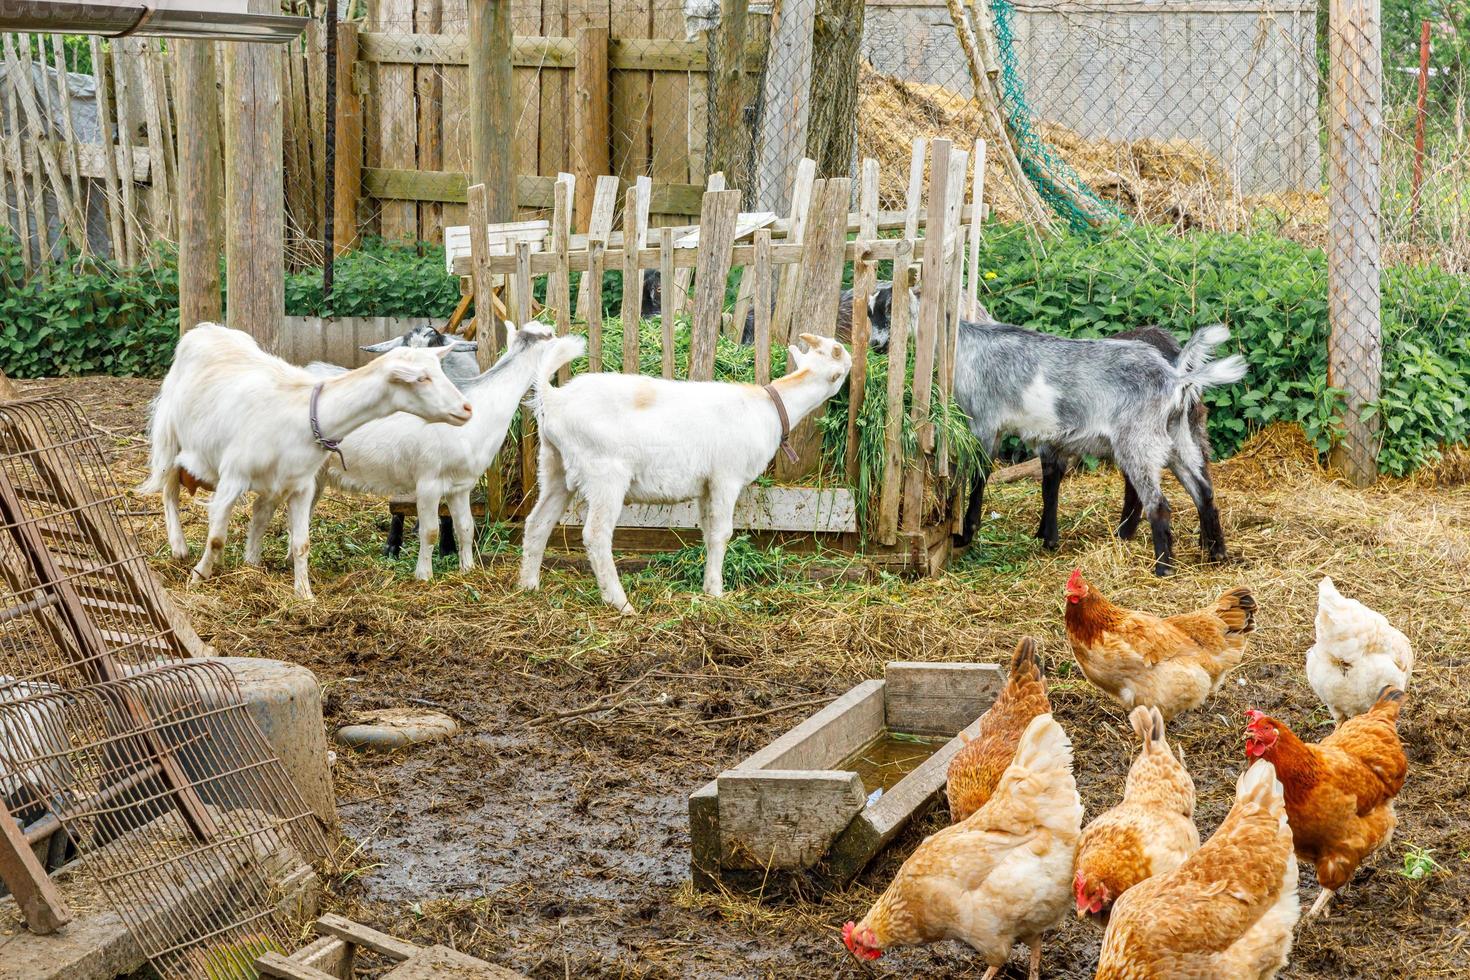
x=1419, y=120
x=592, y=293
x=201, y=226
x=729, y=132
x=974, y=310
x=788, y=281
x=559, y=286
x=347, y=145
x=489, y=333
x=591, y=147
x=665, y=318
x=632, y=279
x=717, y=219
x=1355, y=132
x=599, y=228
x=787, y=105
x=898, y=345
x=916, y=188
x=864, y=281
x=760, y=295
x=492, y=125
x=255, y=234
x=931, y=311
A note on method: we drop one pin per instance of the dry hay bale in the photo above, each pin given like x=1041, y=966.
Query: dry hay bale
x=1276, y=455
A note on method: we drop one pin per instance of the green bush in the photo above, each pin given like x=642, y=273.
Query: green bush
x=378, y=279
x=86, y=317
x=1273, y=295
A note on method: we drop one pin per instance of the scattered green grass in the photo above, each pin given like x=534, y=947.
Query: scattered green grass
x=1419, y=863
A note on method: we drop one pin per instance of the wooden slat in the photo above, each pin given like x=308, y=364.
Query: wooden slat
x=592, y=293
x=631, y=91
x=360, y=935
x=397, y=126
x=347, y=180
x=669, y=110
x=666, y=319
x=591, y=147
x=760, y=294
x=632, y=281
x=717, y=235
x=916, y=187
x=864, y=282
x=559, y=288
x=556, y=107
x=931, y=307
x=817, y=300
x=531, y=192
x=487, y=330
x=786, y=290
x=599, y=228
x=954, y=261
x=428, y=90
x=782, y=253
x=522, y=295
x=898, y=338
x=973, y=310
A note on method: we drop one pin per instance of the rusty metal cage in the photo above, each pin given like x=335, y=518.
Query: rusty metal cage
x=165, y=789
x=76, y=596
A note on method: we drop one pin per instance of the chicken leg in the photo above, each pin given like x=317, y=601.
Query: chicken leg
x=1321, y=902
x=1036, y=958
x=990, y=973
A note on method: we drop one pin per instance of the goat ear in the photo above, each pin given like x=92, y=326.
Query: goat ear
x=406, y=371
x=510, y=331
x=382, y=347
x=443, y=352
x=810, y=339
x=464, y=347
x=794, y=357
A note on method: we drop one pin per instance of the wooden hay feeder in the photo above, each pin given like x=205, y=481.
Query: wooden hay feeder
x=793, y=269
x=807, y=801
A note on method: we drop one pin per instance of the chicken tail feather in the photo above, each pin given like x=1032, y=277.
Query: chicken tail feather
x=1390, y=702
x=1026, y=661
x=1237, y=609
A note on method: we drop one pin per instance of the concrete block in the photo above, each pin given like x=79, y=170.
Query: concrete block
x=781, y=818
x=938, y=698
x=285, y=701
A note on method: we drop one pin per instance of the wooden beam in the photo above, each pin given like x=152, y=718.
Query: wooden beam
x=624, y=54
x=717, y=234
x=492, y=125
x=782, y=253
x=201, y=221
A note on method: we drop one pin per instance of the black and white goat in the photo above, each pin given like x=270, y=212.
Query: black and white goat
x=1112, y=398
x=460, y=366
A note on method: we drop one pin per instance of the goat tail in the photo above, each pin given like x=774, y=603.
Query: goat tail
x=1197, y=368
x=163, y=448
x=558, y=353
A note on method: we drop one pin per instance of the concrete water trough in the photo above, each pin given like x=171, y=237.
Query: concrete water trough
x=809, y=800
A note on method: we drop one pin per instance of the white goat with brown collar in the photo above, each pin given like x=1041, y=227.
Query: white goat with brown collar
x=232, y=418
x=613, y=438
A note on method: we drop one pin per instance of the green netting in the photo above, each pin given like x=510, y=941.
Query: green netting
x=1063, y=190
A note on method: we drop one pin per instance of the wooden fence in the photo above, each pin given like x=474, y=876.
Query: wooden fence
x=614, y=90
x=792, y=270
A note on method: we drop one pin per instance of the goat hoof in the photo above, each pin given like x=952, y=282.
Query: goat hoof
x=627, y=610
x=1127, y=531
x=1163, y=569
x=180, y=554
x=1051, y=544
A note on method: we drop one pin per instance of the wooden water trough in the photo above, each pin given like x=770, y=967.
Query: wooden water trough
x=807, y=801
x=793, y=269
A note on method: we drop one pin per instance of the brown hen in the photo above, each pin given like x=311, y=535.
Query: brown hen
x=1340, y=791
x=1171, y=663
x=976, y=769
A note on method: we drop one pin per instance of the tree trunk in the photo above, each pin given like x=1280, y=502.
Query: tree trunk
x=832, y=126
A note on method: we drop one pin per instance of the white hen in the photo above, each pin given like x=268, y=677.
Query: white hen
x=1357, y=653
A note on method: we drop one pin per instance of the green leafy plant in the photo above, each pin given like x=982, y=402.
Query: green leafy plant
x=1419, y=863
x=378, y=279
x=1273, y=295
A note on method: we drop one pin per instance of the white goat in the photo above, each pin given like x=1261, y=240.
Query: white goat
x=236, y=419
x=403, y=456
x=616, y=437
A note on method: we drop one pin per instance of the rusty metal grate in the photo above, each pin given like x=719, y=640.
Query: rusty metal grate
x=166, y=789
x=76, y=596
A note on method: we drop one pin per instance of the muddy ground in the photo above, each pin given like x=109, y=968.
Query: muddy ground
x=559, y=846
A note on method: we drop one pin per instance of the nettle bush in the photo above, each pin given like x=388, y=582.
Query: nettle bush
x=86, y=317
x=1273, y=295
x=378, y=279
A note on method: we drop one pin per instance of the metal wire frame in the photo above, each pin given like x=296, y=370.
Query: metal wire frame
x=202, y=897
x=76, y=596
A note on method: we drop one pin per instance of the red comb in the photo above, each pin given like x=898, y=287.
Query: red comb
x=1076, y=579
x=847, y=936
x=1254, y=715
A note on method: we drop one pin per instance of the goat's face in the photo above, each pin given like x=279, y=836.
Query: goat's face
x=422, y=335
x=824, y=359
x=880, y=315
x=417, y=385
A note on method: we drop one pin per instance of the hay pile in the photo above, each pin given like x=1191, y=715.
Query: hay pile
x=1172, y=182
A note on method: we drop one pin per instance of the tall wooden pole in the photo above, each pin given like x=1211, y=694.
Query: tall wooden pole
x=255, y=234
x=347, y=141
x=201, y=226
x=1420, y=115
x=1355, y=135
x=491, y=102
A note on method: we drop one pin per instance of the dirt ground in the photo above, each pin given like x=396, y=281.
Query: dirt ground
x=558, y=846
